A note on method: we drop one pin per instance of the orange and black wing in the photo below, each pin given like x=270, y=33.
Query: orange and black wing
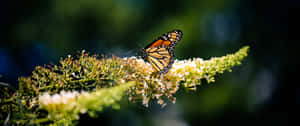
x=169, y=39
x=160, y=58
x=160, y=53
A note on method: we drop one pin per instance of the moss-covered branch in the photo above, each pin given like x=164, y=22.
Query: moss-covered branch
x=87, y=84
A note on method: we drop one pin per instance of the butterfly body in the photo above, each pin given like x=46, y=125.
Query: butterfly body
x=160, y=53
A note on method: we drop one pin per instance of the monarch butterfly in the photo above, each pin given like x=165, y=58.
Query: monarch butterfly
x=160, y=53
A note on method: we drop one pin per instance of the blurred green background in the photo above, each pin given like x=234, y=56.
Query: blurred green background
x=37, y=32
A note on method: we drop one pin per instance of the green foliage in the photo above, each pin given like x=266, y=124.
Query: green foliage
x=84, y=73
x=65, y=107
x=57, y=94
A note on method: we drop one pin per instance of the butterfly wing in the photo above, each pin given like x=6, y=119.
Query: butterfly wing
x=160, y=58
x=169, y=39
x=160, y=53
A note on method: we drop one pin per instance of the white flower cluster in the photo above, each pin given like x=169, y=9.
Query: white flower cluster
x=59, y=101
x=183, y=68
x=147, y=68
x=187, y=73
x=180, y=68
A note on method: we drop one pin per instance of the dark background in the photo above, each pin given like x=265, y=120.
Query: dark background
x=37, y=32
